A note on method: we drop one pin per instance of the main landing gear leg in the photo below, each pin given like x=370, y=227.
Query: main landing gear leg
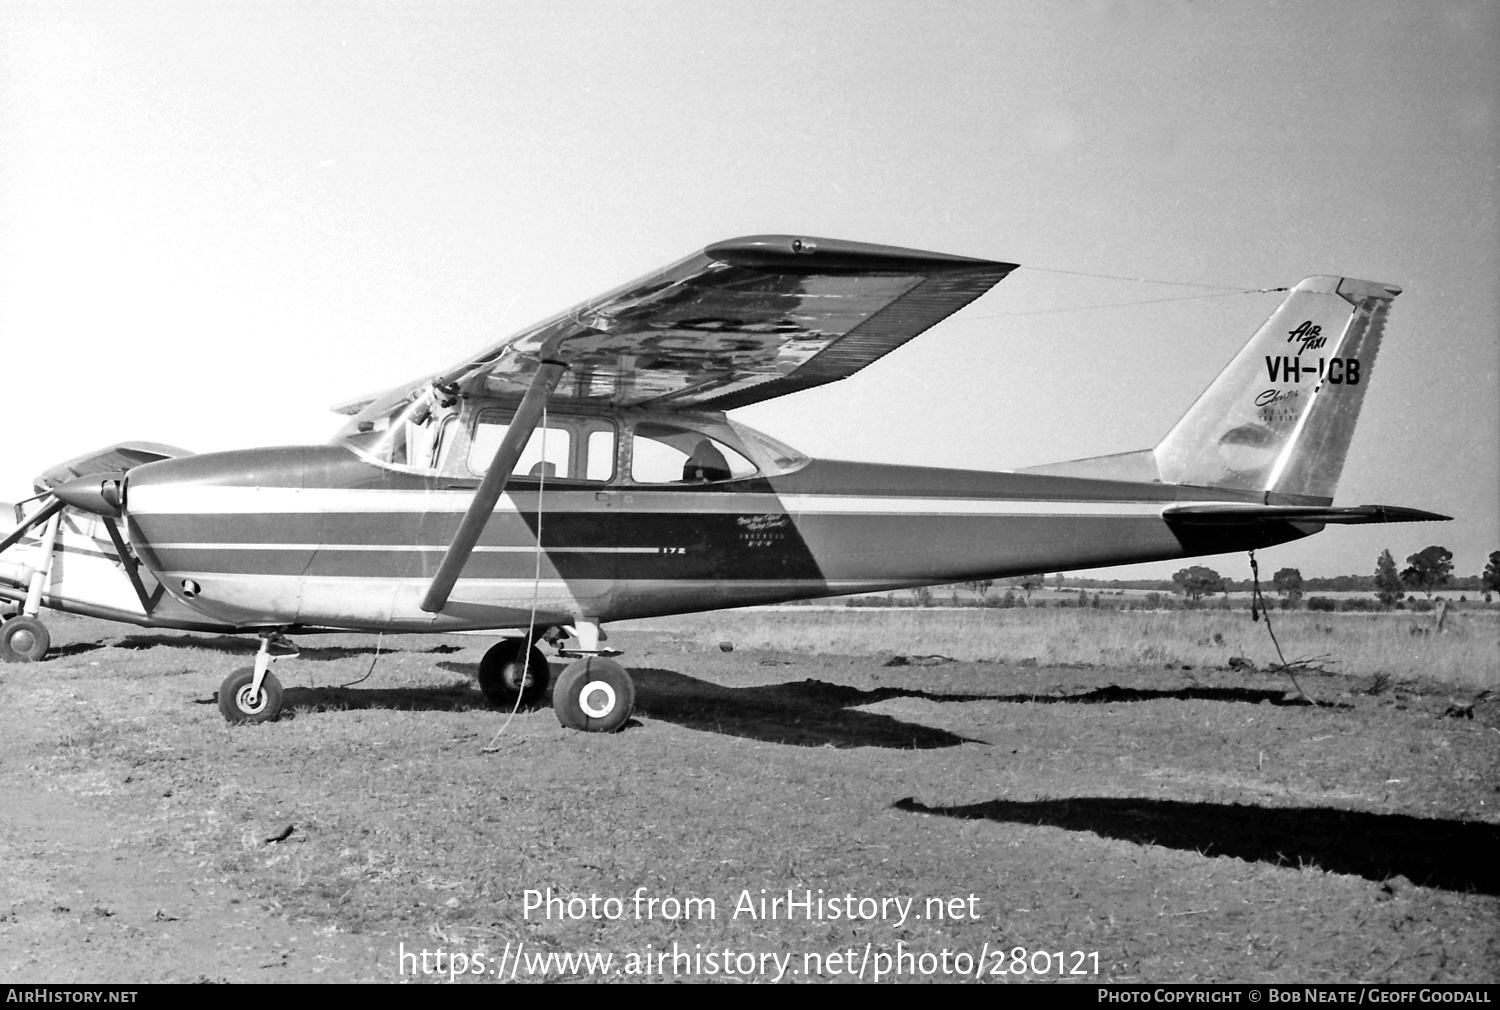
x=253, y=694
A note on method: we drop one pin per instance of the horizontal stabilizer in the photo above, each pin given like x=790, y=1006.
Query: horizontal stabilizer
x=1239, y=515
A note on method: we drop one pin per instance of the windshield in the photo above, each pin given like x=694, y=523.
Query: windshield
x=402, y=428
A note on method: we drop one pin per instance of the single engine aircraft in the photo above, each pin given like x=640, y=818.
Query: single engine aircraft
x=584, y=471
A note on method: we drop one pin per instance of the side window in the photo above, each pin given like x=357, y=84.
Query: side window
x=557, y=443
x=576, y=448
x=600, y=462
x=661, y=454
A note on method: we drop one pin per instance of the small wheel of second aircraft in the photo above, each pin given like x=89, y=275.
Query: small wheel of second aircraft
x=594, y=694
x=501, y=675
x=239, y=704
x=24, y=640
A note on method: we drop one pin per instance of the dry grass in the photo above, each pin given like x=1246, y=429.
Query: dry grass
x=1188, y=827
x=1399, y=647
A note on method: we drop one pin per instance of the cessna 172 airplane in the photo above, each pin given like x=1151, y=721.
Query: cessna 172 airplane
x=584, y=471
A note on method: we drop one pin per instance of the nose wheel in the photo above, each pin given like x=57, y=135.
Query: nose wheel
x=241, y=701
x=24, y=640
x=252, y=693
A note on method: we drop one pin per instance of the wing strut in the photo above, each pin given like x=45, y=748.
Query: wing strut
x=493, y=486
x=42, y=515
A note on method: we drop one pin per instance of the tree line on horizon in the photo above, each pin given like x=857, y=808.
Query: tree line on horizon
x=1426, y=572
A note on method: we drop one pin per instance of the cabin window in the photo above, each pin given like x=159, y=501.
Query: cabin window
x=600, y=464
x=571, y=448
x=419, y=431
x=663, y=454
x=548, y=452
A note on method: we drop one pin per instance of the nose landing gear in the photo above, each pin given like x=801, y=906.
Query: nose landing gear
x=24, y=639
x=253, y=694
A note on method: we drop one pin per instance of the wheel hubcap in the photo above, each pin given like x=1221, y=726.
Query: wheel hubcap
x=597, y=699
x=23, y=641
x=249, y=701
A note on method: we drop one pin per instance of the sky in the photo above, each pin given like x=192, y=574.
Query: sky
x=218, y=220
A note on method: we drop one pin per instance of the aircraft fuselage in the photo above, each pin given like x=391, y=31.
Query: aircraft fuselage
x=316, y=537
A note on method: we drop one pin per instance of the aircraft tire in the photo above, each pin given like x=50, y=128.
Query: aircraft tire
x=595, y=695
x=24, y=640
x=236, y=704
x=500, y=674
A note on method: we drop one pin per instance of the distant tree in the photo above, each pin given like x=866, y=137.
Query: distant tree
x=1490, y=580
x=1388, y=588
x=1428, y=569
x=1197, y=582
x=1058, y=580
x=1288, y=583
x=979, y=586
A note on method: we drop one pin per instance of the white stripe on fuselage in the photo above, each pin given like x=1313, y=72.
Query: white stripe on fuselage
x=191, y=499
x=389, y=548
x=803, y=504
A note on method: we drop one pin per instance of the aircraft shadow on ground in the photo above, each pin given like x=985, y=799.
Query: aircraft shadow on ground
x=1114, y=693
x=355, y=696
x=806, y=713
x=248, y=645
x=73, y=649
x=450, y=698
x=1451, y=855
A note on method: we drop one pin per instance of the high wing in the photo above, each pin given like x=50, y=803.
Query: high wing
x=742, y=321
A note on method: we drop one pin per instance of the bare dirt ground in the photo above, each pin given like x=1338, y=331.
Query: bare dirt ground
x=1183, y=824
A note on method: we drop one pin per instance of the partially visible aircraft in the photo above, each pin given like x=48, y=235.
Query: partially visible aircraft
x=584, y=471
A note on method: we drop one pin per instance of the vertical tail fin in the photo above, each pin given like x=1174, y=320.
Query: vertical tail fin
x=1280, y=417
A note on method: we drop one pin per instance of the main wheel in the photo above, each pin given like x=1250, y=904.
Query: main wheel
x=594, y=694
x=240, y=704
x=24, y=640
x=501, y=675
